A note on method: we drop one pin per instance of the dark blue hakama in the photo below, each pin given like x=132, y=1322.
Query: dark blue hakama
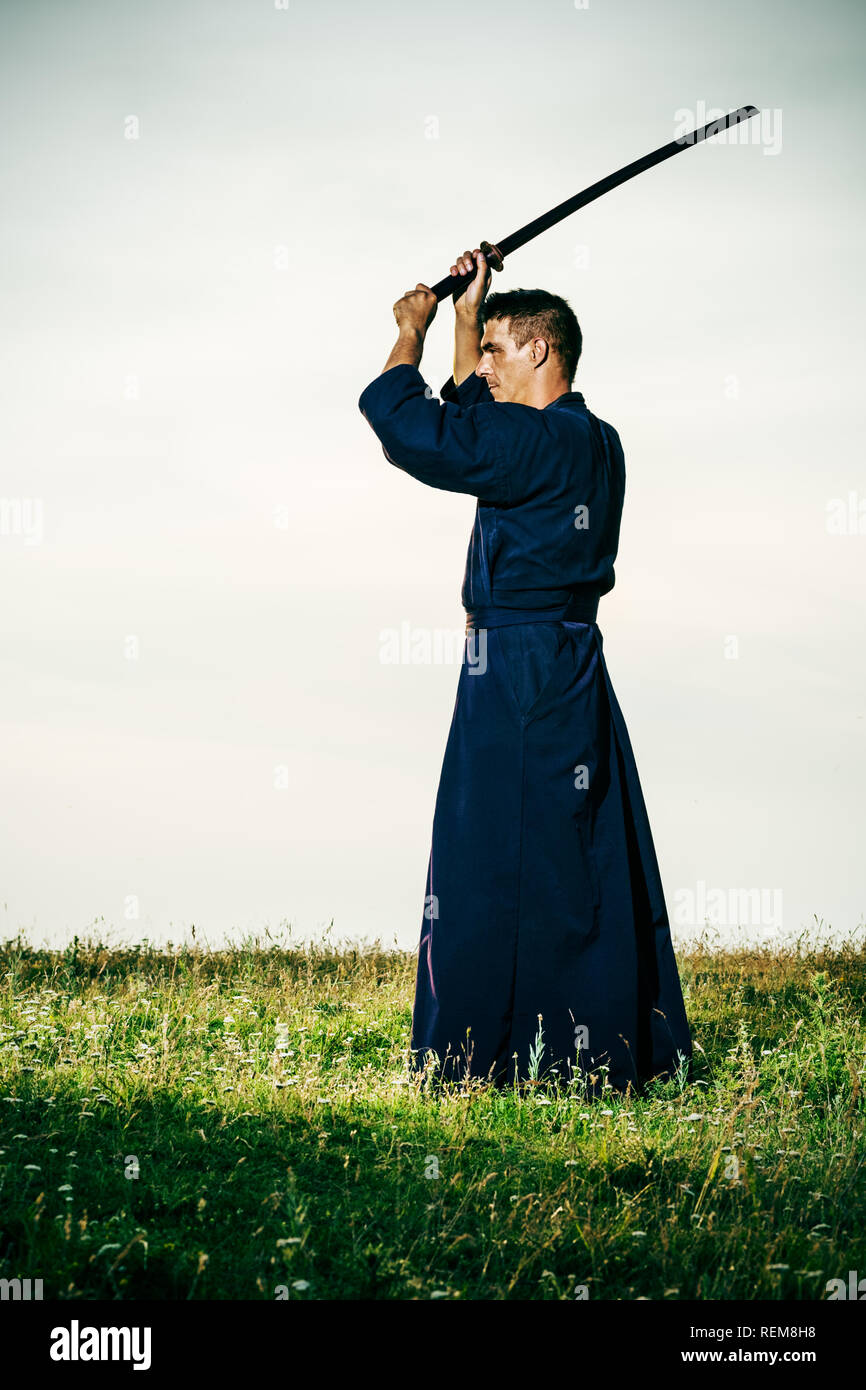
x=545, y=943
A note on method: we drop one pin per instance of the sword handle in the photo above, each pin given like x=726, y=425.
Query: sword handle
x=444, y=288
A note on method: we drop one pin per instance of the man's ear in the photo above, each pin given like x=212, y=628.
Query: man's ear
x=539, y=352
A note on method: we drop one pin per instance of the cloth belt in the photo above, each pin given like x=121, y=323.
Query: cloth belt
x=579, y=609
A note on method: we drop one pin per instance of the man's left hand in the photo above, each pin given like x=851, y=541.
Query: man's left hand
x=417, y=309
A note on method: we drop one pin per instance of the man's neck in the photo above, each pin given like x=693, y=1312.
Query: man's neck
x=544, y=393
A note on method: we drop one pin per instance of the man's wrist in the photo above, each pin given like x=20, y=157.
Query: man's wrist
x=408, y=349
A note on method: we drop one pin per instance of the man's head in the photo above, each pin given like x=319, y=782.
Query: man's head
x=530, y=346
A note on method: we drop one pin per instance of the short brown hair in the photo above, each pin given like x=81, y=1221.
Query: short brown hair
x=539, y=314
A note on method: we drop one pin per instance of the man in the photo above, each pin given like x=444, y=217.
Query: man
x=545, y=946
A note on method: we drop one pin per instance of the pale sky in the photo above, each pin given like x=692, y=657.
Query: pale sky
x=208, y=212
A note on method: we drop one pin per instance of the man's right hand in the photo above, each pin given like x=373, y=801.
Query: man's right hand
x=468, y=299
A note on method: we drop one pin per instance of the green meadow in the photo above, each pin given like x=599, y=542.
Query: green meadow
x=179, y=1123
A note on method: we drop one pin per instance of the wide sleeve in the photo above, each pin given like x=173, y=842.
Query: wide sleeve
x=443, y=444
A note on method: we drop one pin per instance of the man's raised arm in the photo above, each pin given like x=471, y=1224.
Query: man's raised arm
x=448, y=445
x=467, y=314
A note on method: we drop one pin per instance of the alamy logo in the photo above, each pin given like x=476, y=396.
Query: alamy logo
x=424, y=646
x=75, y=1343
x=22, y=516
x=765, y=129
x=20, y=1290
x=855, y=1289
x=728, y=907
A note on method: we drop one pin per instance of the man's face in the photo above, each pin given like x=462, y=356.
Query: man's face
x=505, y=367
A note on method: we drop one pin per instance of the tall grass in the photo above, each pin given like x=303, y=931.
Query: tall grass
x=178, y=1123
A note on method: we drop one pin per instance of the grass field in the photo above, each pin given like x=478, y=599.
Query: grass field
x=184, y=1124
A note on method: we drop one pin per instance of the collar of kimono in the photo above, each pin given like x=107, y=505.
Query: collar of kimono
x=567, y=398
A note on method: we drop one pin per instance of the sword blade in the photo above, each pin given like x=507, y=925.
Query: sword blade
x=511, y=243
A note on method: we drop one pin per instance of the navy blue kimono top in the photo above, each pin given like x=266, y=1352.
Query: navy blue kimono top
x=553, y=479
